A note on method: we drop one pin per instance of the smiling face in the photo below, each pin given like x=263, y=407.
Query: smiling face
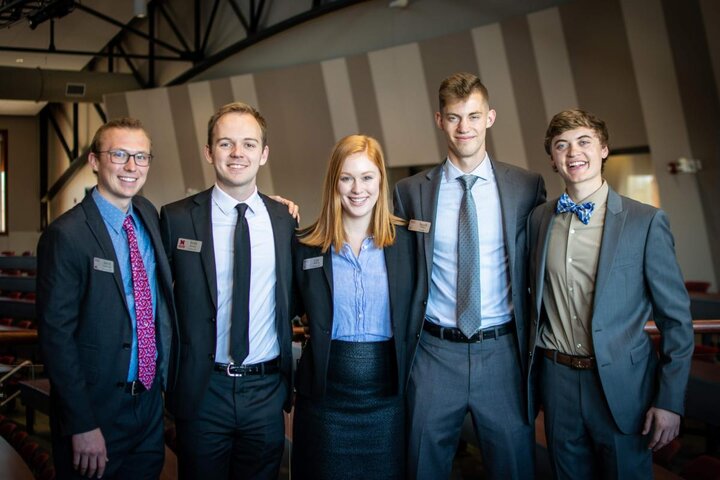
x=237, y=153
x=578, y=155
x=119, y=183
x=358, y=186
x=465, y=123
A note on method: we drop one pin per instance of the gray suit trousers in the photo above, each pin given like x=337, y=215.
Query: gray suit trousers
x=447, y=381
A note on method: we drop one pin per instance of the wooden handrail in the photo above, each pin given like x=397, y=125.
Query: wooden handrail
x=699, y=326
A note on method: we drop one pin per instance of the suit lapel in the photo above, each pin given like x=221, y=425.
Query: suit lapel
x=612, y=231
x=429, y=192
x=540, y=252
x=99, y=230
x=202, y=223
x=507, y=191
x=276, y=213
x=391, y=264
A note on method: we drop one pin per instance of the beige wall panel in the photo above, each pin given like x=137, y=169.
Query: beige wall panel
x=243, y=90
x=495, y=73
x=202, y=108
x=340, y=98
x=711, y=17
x=553, y=63
x=182, y=124
x=602, y=69
x=165, y=180
x=405, y=112
x=300, y=133
x=668, y=140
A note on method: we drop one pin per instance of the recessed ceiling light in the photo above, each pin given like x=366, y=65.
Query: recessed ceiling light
x=19, y=60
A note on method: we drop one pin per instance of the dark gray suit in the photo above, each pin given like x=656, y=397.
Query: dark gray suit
x=507, y=451
x=638, y=279
x=86, y=332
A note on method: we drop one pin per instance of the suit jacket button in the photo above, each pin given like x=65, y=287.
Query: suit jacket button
x=212, y=320
x=211, y=356
x=126, y=346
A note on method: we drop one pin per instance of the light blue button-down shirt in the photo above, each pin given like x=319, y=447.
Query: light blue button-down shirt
x=114, y=218
x=496, y=296
x=361, y=296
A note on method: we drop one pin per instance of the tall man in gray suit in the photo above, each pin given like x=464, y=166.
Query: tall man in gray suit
x=229, y=249
x=106, y=318
x=470, y=216
x=602, y=265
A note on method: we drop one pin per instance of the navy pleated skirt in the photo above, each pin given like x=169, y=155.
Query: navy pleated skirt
x=357, y=430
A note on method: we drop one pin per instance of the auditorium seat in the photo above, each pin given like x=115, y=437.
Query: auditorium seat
x=703, y=467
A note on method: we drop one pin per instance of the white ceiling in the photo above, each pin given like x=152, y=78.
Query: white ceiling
x=78, y=30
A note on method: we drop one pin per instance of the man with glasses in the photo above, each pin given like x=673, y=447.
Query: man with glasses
x=106, y=317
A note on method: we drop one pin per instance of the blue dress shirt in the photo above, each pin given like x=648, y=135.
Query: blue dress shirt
x=114, y=218
x=361, y=296
x=495, y=297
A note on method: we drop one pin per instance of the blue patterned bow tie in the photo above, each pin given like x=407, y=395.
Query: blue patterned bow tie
x=583, y=211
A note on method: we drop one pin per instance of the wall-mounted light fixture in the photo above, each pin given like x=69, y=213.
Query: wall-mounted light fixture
x=684, y=165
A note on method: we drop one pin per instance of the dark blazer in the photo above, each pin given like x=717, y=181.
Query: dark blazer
x=84, y=323
x=315, y=292
x=416, y=198
x=196, y=293
x=638, y=279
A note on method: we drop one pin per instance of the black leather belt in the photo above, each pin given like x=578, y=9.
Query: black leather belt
x=455, y=335
x=234, y=370
x=572, y=361
x=135, y=388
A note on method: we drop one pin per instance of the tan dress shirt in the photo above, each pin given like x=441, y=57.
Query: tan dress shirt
x=570, y=269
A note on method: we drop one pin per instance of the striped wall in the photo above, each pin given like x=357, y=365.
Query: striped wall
x=650, y=68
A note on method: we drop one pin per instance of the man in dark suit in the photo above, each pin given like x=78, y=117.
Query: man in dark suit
x=470, y=215
x=229, y=250
x=106, y=315
x=602, y=265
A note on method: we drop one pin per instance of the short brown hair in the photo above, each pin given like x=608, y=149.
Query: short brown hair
x=236, y=107
x=572, y=119
x=460, y=86
x=328, y=229
x=127, y=123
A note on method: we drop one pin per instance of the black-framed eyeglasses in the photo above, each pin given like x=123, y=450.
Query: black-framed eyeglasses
x=121, y=157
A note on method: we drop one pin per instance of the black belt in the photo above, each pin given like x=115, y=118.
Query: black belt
x=234, y=370
x=573, y=361
x=135, y=388
x=455, y=335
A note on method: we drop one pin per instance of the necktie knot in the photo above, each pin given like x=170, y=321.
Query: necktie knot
x=127, y=224
x=583, y=211
x=241, y=208
x=467, y=181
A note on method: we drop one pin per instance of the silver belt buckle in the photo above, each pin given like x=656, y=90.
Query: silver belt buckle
x=229, y=373
x=135, y=388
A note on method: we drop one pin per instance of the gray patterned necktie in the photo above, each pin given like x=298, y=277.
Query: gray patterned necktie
x=468, y=263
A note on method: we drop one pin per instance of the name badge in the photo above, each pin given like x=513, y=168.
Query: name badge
x=189, y=245
x=103, y=265
x=419, y=226
x=310, y=263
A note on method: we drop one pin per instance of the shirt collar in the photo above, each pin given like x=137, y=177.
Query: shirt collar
x=484, y=170
x=113, y=216
x=227, y=204
x=598, y=197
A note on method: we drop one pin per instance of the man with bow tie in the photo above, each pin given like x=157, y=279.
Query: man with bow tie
x=601, y=266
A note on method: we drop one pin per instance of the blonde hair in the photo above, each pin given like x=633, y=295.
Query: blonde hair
x=328, y=228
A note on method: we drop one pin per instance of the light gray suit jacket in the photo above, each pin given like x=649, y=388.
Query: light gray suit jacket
x=638, y=279
x=520, y=191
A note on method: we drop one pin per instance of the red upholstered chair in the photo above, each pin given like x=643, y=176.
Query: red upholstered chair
x=6, y=321
x=30, y=296
x=7, y=429
x=703, y=467
x=48, y=473
x=18, y=438
x=25, y=324
x=28, y=450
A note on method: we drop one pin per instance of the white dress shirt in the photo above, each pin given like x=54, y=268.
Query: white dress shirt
x=264, y=344
x=496, y=301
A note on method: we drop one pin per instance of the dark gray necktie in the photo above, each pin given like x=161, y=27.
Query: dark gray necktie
x=240, y=312
x=468, y=264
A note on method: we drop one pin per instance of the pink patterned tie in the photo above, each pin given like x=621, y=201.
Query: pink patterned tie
x=145, y=323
